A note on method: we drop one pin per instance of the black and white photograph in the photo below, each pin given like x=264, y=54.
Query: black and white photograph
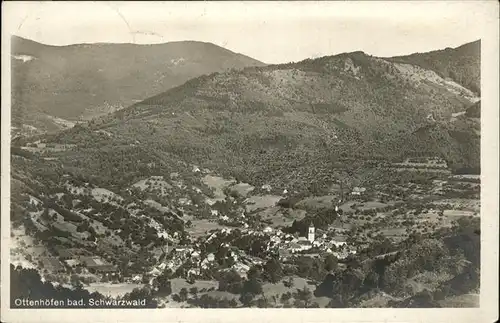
x=250, y=155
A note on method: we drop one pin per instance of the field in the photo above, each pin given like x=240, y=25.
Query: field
x=260, y=202
x=279, y=288
x=466, y=300
x=271, y=292
x=218, y=184
x=200, y=227
x=242, y=189
x=178, y=284
x=318, y=202
x=274, y=291
x=276, y=217
x=461, y=204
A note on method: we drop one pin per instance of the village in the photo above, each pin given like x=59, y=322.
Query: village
x=194, y=225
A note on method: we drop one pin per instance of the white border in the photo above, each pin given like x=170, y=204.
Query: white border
x=487, y=11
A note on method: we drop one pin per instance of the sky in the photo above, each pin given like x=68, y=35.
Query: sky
x=272, y=32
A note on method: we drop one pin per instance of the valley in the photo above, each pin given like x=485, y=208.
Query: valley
x=342, y=181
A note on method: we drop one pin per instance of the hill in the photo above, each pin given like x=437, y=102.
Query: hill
x=461, y=64
x=55, y=86
x=272, y=123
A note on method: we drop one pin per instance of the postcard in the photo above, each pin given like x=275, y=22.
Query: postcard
x=250, y=161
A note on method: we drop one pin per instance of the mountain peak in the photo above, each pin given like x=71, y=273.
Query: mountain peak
x=95, y=79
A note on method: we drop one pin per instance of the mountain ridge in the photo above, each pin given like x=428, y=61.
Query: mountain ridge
x=461, y=64
x=327, y=110
x=97, y=79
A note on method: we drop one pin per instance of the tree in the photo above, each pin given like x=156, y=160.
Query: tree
x=145, y=279
x=183, y=294
x=326, y=287
x=246, y=299
x=262, y=302
x=371, y=280
x=164, y=285
x=254, y=272
x=304, y=296
x=233, y=303
x=252, y=286
x=285, y=297
x=273, y=270
x=331, y=262
x=231, y=282
x=75, y=282
x=288, y=283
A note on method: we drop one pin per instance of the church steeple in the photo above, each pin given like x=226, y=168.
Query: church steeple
x=310, y=235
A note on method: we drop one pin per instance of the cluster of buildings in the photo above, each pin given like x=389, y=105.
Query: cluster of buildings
x=287, y=246
x=358, y=191
x=75, y=257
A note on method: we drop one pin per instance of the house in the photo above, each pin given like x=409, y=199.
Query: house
x=211, y=257
x=208, y=261
x=155, y=272
x=97, y=265
x=266, y=187
x=358, y=190
x=234, y=256
x=256, y=260
x=275, y=239
x=183, y=249
x=185, y=201
x=301, y=245
x=341, y=254
x=284, y=253
x=241, y=269
x=339, y=244
x=194, y=272
x=317, y=243
x=72, y=262
x=267, y=230
x=251, y=261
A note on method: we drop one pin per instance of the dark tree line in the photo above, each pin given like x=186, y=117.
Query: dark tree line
x=27, y=284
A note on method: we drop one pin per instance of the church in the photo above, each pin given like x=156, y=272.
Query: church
x=311, y=233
